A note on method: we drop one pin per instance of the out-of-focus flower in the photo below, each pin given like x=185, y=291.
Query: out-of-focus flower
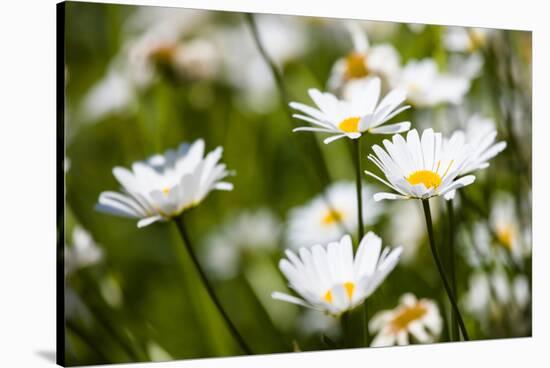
x=83, y=252
x=480, y=137
x=157, y=353
x=166, y=185
x=363, y=61
x=461, y=39
x=111, y=95
x=505, y=224
x=327, y=217
x=489, y=293
x=330, y=279
x=256, y=230
x=416, y=27
x=419, y=318
x=313, y=322
x=153, y=42
x=420, y=169
x=359, y=113
x=426, y=86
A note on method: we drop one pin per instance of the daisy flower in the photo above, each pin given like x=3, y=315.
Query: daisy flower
x=418, y=318
x=328, y=217
x=420, y=168
x=480, y=137
x=329, y=278
x=363, y=61
x=166, y=185
x=358, y=113
x=426, y=86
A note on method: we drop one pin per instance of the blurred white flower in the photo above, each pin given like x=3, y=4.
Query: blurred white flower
x=313, y=322
x=426, y=86
x=327, y=217
x=157, y=353
x=111, y=95
x=83, y=252
x=480, y=137
x=330, y=279
x=419, y=318
x=505, y=224
x=489, y=293
x=420, y=168
x=249, y=230
x=359, y=112
x=467, y=66
x=461, y=39
x=363, y=61
x=166, y=185
x=416, y=27
x=153, y=38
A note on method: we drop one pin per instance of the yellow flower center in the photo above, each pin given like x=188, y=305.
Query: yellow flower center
x=332, y=217
x=350, y=125
x=349, y=286
x=407, y=315
x=430, y=179
x=477, y=39
x=356, y=66
x=166, y=190
x=163, y=53
x=505, y=236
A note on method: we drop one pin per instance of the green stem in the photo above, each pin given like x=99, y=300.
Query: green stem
x=361, y=230
x=346, y=333
x=187, y=242
x=455, y=336
x=322, y=170
x=360, y=224
x=88, y=340
x=454, y=305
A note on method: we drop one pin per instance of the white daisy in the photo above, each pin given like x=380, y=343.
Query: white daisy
x=165, y=185
x=480, y=137
x=420, y=168
x=330, y=279
x=419, y=318
x=426, y=86
x=363, y=61
x=83, y=252
x=327, y=217
x=359, y=113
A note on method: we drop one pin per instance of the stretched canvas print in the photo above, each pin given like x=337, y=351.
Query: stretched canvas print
x=241, y=184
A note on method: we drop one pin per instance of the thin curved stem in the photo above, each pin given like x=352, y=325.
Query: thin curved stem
x=360, y=224
x=454, y=305
x=450, y=214
x=187, y=242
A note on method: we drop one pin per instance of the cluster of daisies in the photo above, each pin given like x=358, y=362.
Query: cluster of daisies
x=327, y=269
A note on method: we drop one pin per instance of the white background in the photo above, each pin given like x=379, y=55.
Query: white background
x=27, y=181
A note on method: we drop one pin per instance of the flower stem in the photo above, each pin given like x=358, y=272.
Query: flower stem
x=454, y=305
x=455, y=336
x=187, y=242
x=346, y=333
x=361, y=229
x=360, y=225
